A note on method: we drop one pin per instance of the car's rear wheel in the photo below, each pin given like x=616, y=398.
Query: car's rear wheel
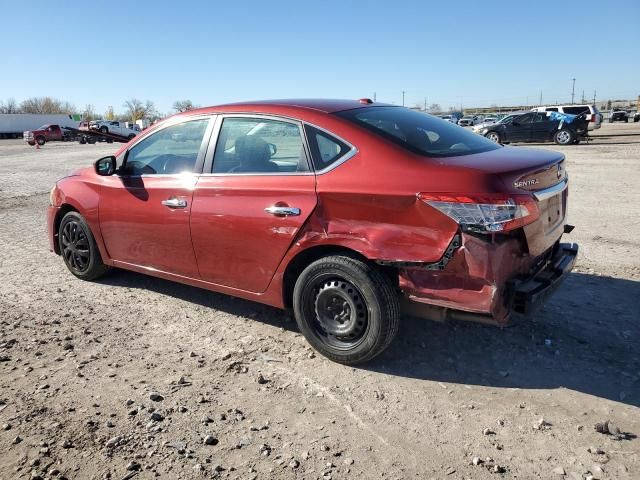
x=78, y=248
x=493, y=136
x=564, y=137
x=131, y=135
x=346, y=309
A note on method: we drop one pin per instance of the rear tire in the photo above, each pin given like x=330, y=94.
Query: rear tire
x=78, y=248
x=564, y=137
x=346, y=309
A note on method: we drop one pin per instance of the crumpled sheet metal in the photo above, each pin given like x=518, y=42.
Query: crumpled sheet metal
x=473, y=281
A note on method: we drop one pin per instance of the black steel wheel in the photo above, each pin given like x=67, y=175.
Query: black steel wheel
x=78, y=248
x=346, y=308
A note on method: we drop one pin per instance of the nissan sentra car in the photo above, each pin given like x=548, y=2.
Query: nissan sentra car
x=347, y=212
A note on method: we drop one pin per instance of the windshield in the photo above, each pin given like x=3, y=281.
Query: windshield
x=43, y=127
x=419, y=132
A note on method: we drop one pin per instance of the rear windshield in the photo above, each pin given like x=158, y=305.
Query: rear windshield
x=419, y=132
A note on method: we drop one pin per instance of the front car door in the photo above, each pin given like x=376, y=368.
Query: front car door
x=256, y=193
x=542, y=127
x=144, y=209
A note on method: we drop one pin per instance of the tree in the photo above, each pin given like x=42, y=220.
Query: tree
x=435, y=108
x=10, y=107
x=46, y=105
x=89, y=112
x=136, y=110
x=109, y=115
x=183, y=105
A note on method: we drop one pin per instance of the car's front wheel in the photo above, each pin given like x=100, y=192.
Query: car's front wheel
x=78, y=248
x=563, y=137
x=493, y=136
x=104, y=130
x=346, y=309
x=41, y=140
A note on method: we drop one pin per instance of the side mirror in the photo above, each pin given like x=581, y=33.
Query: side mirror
x=106, y=166
x=272, y=149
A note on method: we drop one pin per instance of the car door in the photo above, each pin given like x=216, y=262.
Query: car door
x=541, y=127
x=144, y=209
x=256, y=193
x=520, y=128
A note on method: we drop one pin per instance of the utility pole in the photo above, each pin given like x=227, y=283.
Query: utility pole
x=582, y=101
x=540, y=104
x=425, y=104
x=594, y=98
x=573, y=90
x=403, y=92
x=374, y=96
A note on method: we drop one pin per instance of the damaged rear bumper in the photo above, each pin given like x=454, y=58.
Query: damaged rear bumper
x=486, y=281
x=525, y=295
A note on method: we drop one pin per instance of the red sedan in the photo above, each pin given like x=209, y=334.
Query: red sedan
x=348, y=212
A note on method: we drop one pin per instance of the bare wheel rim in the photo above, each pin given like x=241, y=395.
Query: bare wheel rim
x=563, y=136
x=75, y=246
x=340, y=313
x=494, y=137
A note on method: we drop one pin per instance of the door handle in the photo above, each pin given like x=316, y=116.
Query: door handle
x=174, y=202
x=283, y=211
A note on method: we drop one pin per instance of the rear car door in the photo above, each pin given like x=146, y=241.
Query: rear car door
x=256, y=194
x=144, y=209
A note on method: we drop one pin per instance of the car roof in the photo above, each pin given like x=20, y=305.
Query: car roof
x=316, y=104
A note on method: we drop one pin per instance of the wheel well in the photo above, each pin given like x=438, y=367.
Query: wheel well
x=310, y=255
x=64, y=209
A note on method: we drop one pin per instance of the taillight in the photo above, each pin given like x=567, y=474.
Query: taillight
x=485, y=213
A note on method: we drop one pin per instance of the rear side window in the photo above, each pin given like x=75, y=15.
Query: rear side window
x=419, y=132
x=552, y=109
x=325, y=148
x=259, y=145
x=576, y=110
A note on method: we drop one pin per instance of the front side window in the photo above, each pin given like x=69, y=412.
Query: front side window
x=525, y=119
x=259, y=145
x=419, y=132
x=172, y=150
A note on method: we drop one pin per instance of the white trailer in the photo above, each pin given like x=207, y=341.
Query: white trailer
x=12, y=125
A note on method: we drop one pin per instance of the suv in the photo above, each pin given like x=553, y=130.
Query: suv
x=295, y=204
x=636, y=116
x=594, y=117
x=469, y=120
x=619, y=116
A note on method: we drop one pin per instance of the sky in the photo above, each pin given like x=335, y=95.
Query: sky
x=451, y=53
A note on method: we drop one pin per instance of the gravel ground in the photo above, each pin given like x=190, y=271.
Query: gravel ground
x=138, y=377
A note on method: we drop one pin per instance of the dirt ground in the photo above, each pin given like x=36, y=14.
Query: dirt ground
x=135, y=377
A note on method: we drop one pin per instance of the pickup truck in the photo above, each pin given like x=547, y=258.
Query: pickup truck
x=115, y=127
x=44, y=134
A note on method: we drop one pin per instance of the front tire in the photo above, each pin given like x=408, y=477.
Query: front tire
x=78, y=248
x=564, y=137
x=493, y=136
x=346, y=309
x=41, y=141
x=104, y=130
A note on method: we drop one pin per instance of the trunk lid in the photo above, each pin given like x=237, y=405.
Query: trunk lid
x=527, y=170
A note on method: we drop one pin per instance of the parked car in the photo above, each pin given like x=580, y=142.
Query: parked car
x=469, y=120
x=539, y=127
x=295, y=204
x=619, y=116
x=115, y=127
x=44, y=134
x=593, y=115
x=636, y=117
x=449, y=118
